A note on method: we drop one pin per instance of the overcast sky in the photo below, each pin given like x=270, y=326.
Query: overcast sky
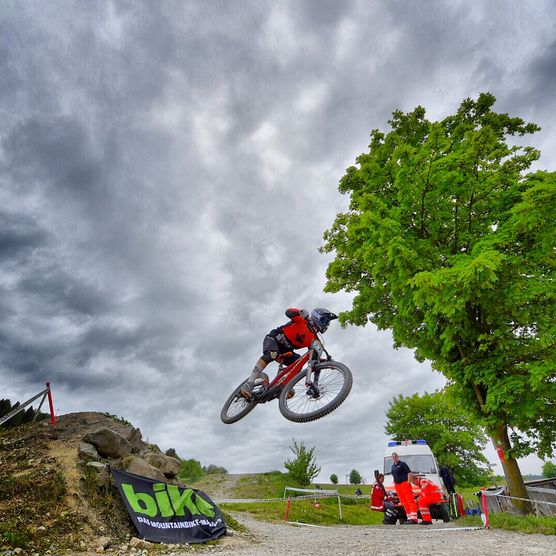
x=167, y=170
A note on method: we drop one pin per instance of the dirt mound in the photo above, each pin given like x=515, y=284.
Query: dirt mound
x=220, y=486
x=48, y=499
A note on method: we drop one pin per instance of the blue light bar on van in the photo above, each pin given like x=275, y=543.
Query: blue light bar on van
x=405, y=442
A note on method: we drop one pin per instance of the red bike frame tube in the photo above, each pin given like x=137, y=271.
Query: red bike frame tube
x=292, y=370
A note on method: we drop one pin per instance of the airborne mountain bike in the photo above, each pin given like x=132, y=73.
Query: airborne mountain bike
x=330, y=385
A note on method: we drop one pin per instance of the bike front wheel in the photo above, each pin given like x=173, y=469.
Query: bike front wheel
x=236, y=407
x=334, y=382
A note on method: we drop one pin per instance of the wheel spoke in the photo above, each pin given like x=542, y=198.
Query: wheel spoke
x=330, y=383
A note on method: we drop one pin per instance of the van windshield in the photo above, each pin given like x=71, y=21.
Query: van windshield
x=417, y=463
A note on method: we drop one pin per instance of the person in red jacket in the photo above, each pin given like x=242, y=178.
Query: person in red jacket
x=430, y=494
x=381, y=501
x=301, y=331
x=378, y=494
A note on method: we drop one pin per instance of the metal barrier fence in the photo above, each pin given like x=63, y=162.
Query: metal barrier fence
x=543, y=501
x=46, y=393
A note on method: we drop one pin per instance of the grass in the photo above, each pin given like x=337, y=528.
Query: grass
x=531, y=524
x=305, y=511
x=356, y=511
x=261, y=485
x=346, y=489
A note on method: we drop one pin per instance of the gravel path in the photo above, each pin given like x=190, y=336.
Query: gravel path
x=440, y=538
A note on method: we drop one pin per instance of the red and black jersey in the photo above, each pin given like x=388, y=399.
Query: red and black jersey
x=297, y=332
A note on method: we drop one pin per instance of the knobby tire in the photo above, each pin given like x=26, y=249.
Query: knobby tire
x=302, y=399
x=233, y=399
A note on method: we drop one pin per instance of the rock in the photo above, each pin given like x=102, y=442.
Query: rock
x=103, y=542
x=19, y=550
x=139, y=466
x=87, y=452
x=97, y=465
x=134, y=438
x=139, y=543
x=168, y=465
x=108, y=443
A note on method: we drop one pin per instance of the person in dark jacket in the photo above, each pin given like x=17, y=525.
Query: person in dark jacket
x=448, y=479
x=402, y=477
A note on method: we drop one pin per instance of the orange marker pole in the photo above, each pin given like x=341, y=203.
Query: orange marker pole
x=485, y=508
x=288, y=508
x=51, y=404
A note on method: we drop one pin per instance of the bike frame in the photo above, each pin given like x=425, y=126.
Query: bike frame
x=283, y=377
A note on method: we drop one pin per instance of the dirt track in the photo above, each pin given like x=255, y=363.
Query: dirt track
x=384, y=540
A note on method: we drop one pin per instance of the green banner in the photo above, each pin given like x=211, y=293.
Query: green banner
x=163, y=512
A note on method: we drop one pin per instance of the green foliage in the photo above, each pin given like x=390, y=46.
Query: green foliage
x=454, y=437
x=303, y=468
x=190, y=471
x=212, y=469
x=171, y=452
x=549, y=469
x=451, y=245
x=334, y=479
x=355, y=477
x=26, y=416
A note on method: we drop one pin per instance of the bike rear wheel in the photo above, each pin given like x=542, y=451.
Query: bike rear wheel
x=236, y=407
x=334, y=384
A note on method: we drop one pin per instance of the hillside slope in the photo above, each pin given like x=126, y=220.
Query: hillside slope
x=51, y=499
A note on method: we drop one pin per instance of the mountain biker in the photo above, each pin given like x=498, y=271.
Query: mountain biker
x=301, y=331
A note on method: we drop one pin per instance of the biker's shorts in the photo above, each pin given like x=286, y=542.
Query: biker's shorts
x=272, y=347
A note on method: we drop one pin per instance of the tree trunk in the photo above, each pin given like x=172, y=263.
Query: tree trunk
x=514, y=479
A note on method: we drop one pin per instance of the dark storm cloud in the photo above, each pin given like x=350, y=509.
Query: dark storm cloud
x=53, y=152
x=19, y=233
x=535, y=92
x=167, y=172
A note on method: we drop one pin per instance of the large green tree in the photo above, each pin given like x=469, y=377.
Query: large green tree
x=190, y=470
x=454, y=437
x=451, y=245
x=303, y=468
x=549, y=469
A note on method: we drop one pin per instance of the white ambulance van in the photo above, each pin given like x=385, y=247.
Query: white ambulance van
x=419, y=458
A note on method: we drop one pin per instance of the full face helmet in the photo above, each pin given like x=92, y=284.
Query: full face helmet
x=320, y=319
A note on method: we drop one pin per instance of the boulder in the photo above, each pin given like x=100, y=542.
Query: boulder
x=168, y=465
x=135, y=440
x=109, y=444
x=139, y=466
x=87, y=452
